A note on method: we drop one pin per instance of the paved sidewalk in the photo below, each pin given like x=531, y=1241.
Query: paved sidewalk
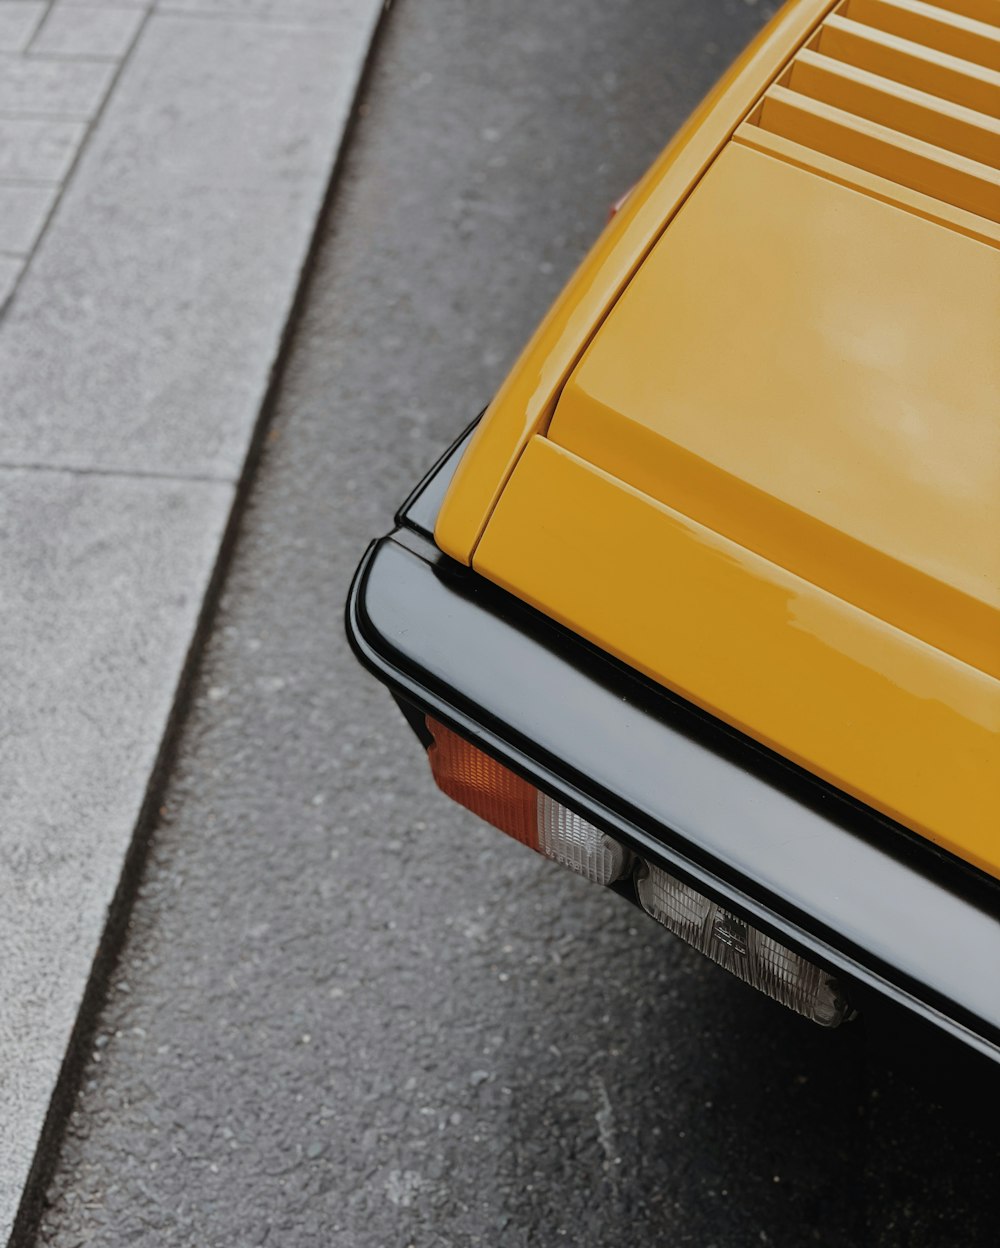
x=161, y=174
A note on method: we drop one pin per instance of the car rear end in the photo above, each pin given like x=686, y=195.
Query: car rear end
x=707, y=606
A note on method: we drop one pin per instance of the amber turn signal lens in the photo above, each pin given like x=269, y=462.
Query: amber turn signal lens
x=484, y=786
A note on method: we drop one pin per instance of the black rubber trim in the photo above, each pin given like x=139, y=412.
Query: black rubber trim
x=420, y=510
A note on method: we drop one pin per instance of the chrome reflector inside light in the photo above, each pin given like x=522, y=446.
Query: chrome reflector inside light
x=751, y=955
x=570, y=840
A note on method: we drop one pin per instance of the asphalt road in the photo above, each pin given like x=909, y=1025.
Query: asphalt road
x=347, y=1014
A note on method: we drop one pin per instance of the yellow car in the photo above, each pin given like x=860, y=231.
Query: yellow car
x=706, y=606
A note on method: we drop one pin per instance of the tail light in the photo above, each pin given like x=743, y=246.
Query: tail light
x=502, y=798
x=749, y=954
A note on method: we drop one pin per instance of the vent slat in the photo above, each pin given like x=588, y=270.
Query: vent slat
x=910, y=162
x=934, y=27
x=849, y=174
x=901, y=108
x=986, y=11
x=961, y=82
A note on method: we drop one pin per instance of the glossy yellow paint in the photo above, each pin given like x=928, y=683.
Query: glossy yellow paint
x=524, y=403
x=815, y=374
x=886, y=717
x=754, y=450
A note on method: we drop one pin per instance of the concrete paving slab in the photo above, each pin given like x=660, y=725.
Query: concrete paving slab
x=72, y=30
x=102, y=582
x=68, y=89
x=38, y=149
x=134, y=362
x=145, y=330
x=18, y=23
x=23, y=210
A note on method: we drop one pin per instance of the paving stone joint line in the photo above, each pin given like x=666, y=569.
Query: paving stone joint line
x=10, y=280
x=130, y=474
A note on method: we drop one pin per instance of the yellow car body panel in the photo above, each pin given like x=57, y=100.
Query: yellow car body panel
x=798, y=391
x=754, y=452
x=887, y=718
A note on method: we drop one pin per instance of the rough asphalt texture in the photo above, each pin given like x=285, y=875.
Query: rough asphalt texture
x=348, y=1014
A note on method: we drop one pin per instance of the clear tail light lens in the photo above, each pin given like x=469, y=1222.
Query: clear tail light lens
x=502, y=798
x=751, y=955
x=567, y=839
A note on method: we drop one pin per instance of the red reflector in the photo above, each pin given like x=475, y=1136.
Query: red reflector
x=484, y=786
x=619, y=204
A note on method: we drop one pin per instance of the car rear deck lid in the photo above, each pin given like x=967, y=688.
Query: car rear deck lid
x=815, y=374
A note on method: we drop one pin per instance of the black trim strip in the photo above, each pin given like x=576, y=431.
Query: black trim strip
x=420, y=510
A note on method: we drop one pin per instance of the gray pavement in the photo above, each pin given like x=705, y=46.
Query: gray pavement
x=161, y=176
x=347, y=1014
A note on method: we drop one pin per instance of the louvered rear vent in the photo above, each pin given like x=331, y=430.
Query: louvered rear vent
x=907, y=90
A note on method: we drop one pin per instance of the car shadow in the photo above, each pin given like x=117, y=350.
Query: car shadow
x=700, y=1112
